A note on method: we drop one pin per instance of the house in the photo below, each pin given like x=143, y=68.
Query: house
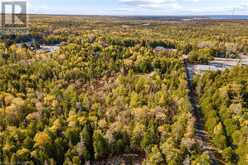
x=161, y=48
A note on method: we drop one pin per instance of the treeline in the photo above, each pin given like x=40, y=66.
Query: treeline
x=201, y=40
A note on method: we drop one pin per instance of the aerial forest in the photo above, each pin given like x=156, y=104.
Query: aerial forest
x=117, y=87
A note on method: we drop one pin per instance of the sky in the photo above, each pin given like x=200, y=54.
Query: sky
x=139, y=7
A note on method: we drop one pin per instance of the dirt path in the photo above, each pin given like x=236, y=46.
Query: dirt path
x=201, y=135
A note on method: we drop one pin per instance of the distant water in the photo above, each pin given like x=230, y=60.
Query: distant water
x=178, y=18
x=229, y=17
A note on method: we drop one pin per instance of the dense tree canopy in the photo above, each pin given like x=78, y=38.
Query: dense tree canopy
x=224, y=105
x=117, y=86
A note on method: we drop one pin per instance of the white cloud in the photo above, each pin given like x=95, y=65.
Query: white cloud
x=139, y=7
x=188, y=7
x=159, y=4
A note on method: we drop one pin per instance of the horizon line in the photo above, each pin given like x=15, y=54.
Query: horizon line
x=142, y=15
